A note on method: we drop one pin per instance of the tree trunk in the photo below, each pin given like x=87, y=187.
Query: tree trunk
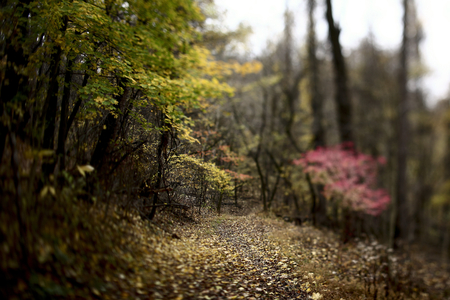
x=263, y=184
x=51, y=103
x=63, y=123
x=15, y=80
x=235, y=192
x=313, y=200
x=291, y=81
x=313, y=70
x=161, y=159
x=77, y=106
x=219, y=203
x=343, y=101
x=109, y=130
x=402, y=216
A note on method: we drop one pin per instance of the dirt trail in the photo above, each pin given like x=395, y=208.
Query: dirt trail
x=229, y=258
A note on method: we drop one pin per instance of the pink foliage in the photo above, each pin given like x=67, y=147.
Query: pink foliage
x=348, y=176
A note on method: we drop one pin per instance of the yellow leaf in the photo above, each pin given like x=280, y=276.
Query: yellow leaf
x=84, y=169
x=95, y=291
x=44, y=192
x=52, y=190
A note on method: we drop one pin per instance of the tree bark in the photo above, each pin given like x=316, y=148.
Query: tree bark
x=402, y=216
x=160, y=157
x=109, y=130
x=15, y=80
x=51, y=103
x=291, y=81
x=313, y=72
x=343, y=101
x=63, y=122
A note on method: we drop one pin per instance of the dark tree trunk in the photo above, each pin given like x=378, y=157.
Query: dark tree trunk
x=15, y=82
x=63, y=123
x=291, y=81
x=161, y=157
x=263, y=183
x=76, y=107
x=51, y=104
x=313, y=200
x=15, y=164
x=343, y=101
x=256, y=156
x=402, y=215
x=219, y=203
x=109, y=130
x=313, y=71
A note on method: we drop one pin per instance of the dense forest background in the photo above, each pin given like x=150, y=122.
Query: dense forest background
x=111, y=108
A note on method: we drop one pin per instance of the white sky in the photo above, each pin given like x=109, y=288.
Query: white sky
x=355, y=17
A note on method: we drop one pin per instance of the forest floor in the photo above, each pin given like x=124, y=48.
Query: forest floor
x=259, y=257
x=231, y=256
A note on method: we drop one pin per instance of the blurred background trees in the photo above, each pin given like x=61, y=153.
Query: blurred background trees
x=295, y=104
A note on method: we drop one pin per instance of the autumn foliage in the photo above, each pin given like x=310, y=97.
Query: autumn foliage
x=348, y=177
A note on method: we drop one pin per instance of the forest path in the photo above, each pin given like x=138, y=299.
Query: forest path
x=230, y=257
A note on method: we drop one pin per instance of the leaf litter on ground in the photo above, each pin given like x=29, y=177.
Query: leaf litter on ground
x=215, y=257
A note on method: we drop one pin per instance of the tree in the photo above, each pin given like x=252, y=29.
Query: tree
x=313, y=77
x=343, y=100
x=349, y=179
x=401, y=207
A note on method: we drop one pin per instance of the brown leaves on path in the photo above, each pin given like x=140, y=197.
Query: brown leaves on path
x=227, y=258
x=254, y=257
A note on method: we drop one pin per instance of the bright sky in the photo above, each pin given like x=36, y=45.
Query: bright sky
x=356, y=18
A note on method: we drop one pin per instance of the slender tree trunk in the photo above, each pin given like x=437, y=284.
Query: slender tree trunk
x=313, y=200
x=160, y=157
x=347, y=231
x=446, y=235
x=256, y=156
x=219, y=203
x=15, y=163
x=313, y=71
x=235, y=192
x=63, y=123
x=291, y=81
x=263, y=184
x=343, y=101
x=76, y=107
x=446, y=207
x=51, y=103
x=402, y=216
x=275, y=187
